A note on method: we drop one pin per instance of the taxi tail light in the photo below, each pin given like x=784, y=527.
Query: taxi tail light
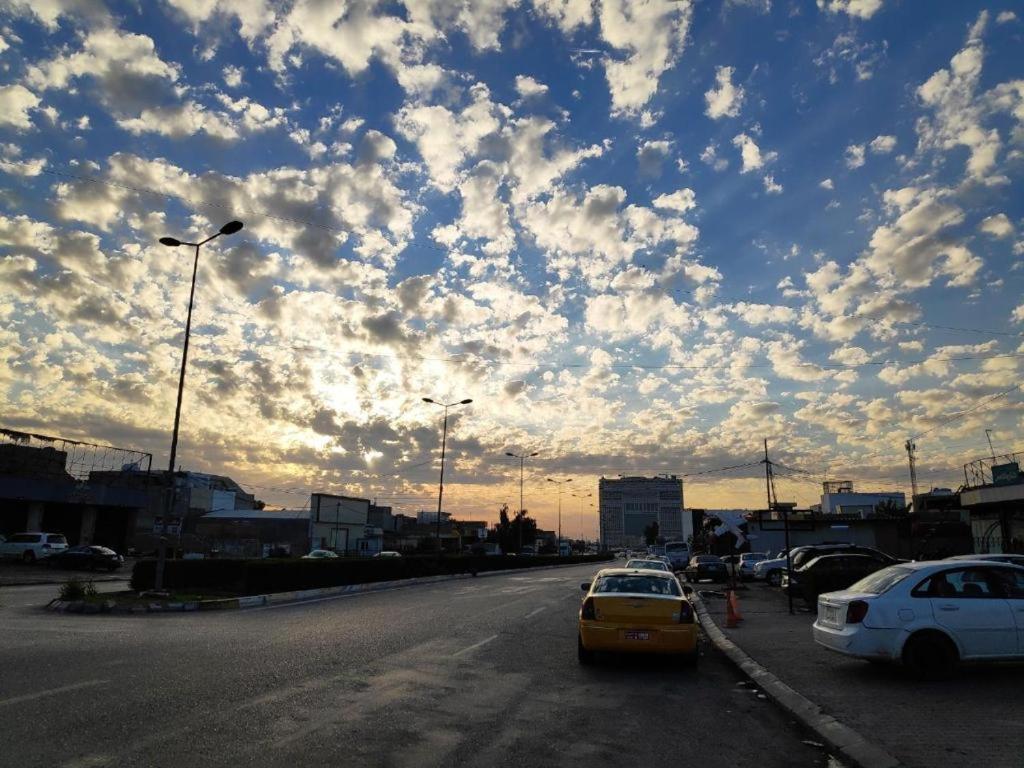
x=856, y=611
x=685, y=613
x=588, y=612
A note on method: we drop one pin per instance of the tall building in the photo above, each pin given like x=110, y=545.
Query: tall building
x=628, y=505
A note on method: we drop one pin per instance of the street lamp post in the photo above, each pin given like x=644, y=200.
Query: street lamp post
x=444, y=440
x=228, y=229
x=581, y=497
x=522, y=513
x=560, y=484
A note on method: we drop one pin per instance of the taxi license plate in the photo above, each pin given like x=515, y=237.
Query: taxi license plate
x=638, y=635
x=831, y=614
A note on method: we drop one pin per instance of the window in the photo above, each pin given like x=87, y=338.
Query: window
x=637, y=585
x=970, y=583
x=56, y=538
x=1010, y=582
x=881, y=581
x=26, y=538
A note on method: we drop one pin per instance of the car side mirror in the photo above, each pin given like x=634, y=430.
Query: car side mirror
x=585, y=586
x=687, y=589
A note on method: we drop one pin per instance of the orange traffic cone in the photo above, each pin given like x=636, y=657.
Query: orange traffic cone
x=732, y=611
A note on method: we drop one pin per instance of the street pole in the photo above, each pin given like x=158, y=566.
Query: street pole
x=228, y=229
x=560, y=484
x=522, y=512
x=444, y=441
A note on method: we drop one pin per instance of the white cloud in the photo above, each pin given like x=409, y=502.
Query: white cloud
x=751, y=153
x=709, y=156
x=15, y=103
x=1018, y=314
x=998, y=226
x=770, y=186
x=726, y=99
x=1005, y=17
x=683, y=200
x=527, y=87
x=826, y=184
x=651, y=155
x=233, y=76
x=862, y=9
x=883, y=145
x=855, y=156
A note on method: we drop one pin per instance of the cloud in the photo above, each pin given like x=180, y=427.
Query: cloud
x=1005, y=17
x=751, y=153
x=682, y=200
x=1018, y=314
x=233, y=76
x=651, y=155
x=883, y=145
x=527, y=87
x=770, y=186
x=861, y=9
x=726, y=99
x=997, y=225
x=709, y=156
x=16, y=101
x=826, y=184
x=855, y=156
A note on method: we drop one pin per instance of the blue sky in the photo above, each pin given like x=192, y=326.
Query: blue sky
x=642, y=236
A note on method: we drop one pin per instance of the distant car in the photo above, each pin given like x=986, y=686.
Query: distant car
x=828, y=573
x=388, y=553
x=636, y=612
x=648, y=564
x=320, y=554
x=706, y=567
x=995, y=557
x=86, y=558
x=929, y=615
x=30, y=547
x=745, y=568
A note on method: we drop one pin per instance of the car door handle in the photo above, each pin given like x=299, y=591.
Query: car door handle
x=949, y=607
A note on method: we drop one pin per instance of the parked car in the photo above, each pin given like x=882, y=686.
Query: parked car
x=636, y=612
x=748, y=560
x=770, y=570
x=806, y=554
x=387, y=553
x=320, y=554
x=706, y=567
x=732, y=563
x=33, y=546
x=827, y=573
x=648, y=564
x=86, y=558
x=929, y=616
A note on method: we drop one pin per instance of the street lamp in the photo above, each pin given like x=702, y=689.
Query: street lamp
x=581, y=497
x=522, y=513
x=228, y=229
x=444, y=440
x=560, y=484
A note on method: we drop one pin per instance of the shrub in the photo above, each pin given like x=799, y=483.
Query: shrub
x=75, y=589
x=256, y=577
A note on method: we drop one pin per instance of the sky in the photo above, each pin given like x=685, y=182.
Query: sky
x=643, y=237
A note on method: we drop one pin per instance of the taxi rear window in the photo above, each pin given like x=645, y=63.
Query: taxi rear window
x=637, y=585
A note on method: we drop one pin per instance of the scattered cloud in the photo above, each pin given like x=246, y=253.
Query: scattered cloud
x=725, y=99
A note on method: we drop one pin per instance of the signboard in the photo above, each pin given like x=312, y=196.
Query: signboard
x=1006, y=474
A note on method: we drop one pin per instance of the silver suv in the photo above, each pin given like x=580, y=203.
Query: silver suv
x=33, y=546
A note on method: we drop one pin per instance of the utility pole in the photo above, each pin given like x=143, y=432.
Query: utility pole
x=773, y=504
x=911, y=447
x=444, y=441
x=560, y=484
x=988, y=435
x=522, y=512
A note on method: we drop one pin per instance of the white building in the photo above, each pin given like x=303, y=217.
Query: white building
x=628, y=505
x=341, y=524
x=424, y=517
x=838, y=497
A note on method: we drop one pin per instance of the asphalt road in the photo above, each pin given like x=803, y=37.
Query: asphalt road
x=478, y=672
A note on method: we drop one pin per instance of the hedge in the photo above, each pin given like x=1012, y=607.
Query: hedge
x=258, y=577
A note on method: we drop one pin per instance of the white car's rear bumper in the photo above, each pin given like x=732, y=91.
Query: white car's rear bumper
x=859, y=641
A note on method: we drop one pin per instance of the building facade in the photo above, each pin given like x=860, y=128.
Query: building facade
x=629, y=505
x=839, y=498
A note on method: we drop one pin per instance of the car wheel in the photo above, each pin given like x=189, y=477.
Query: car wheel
x=585, y=656
x=774, y=578
x=930, y=656
x=29, y=556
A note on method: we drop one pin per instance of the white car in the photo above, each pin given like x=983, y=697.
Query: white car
x=928, y=615
x=648, y=564
x=748, y=561
x=33, y=546
x=320, y=554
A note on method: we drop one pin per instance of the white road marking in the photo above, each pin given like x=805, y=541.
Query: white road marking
x=535, y=611
x=474, y=646
x=51, y=692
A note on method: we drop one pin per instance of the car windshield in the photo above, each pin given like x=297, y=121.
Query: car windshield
x=637, y=584
x=655, y=564
x=881, y=581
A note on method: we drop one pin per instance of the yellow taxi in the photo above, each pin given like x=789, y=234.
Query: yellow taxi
x=632, y=610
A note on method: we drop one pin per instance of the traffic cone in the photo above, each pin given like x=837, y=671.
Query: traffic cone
x=732, y=613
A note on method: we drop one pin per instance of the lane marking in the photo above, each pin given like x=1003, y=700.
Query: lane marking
x=52, y=692
x=535, y=611
x=474, y=646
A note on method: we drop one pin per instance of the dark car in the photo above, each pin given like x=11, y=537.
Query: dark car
x=830, y=573
x=706, y=567
x=804, y=555
x=87, y=558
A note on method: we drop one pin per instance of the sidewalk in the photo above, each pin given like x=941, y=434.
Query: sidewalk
x=975, y=718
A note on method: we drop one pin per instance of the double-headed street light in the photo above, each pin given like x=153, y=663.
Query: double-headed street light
x=560, y=484
x=444, y=440
x=228, y=229
x=522, y=513
x=581, y=497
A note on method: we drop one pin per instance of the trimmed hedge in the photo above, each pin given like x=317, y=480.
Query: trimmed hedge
x=259, y=577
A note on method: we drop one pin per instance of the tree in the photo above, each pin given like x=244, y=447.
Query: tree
x=651, y=533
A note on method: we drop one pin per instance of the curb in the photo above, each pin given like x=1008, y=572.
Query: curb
x=851, y=746
x=279, y=598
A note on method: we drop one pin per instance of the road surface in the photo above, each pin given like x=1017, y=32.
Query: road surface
x=479, y=672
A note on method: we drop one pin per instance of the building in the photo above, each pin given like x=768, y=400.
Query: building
x=254, y=533
x=839, y=498
x=342, y=524
x=629, y=505
x=993, y=495
x=429, y=517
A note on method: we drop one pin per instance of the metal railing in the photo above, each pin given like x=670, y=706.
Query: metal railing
x=979, y=472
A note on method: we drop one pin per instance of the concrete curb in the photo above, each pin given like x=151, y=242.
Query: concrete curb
x=281, y=598
x=848, y=743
